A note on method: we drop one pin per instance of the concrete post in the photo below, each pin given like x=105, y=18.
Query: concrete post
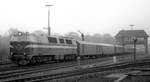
x=146, y=45
x=78, y=54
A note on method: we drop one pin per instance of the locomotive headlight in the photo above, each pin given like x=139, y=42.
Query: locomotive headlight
x=19, y=33
x=11, y=53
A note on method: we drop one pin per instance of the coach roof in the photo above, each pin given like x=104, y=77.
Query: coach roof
x=102, y=44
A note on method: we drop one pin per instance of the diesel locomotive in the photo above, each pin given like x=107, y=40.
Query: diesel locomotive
x=28, y=48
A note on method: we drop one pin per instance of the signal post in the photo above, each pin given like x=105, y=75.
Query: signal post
x=78, y=50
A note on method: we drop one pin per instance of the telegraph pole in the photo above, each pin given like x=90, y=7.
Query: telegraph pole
x=49, y=29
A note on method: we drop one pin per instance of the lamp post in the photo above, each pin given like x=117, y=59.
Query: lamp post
x=49, y=29
x=131, y=25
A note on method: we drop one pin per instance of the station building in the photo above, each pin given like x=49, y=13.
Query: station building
x=128, y=37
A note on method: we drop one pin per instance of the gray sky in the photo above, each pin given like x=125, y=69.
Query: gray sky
x=89, y=16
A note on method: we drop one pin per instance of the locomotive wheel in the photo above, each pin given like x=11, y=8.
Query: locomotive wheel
x=44, y=59
x=23, y=62
x=33, y=60
x=39, y=59
x=49, y=59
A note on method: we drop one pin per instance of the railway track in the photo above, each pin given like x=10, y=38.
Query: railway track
x=41, y=68
x=5, y=63
x=15, y=67
x=50, y=76
x=13, y=75
x=11, y=66
x=7, y=66
x=16, y=73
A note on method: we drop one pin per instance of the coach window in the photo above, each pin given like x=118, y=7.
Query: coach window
x=68, y=41
x=52, y=40
x=61, y=41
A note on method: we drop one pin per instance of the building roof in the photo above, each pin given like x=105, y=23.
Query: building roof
x=134, y=33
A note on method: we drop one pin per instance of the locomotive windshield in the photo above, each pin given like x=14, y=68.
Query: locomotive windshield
x=19, y=37
x=24, y=37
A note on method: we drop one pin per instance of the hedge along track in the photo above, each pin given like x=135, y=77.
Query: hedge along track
x=50, y=76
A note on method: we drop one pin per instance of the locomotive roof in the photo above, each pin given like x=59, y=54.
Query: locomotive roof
x=36, y=38
x=102, y=44
x=61, y=37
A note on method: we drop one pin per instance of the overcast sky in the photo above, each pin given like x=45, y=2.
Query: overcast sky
x=88, y=16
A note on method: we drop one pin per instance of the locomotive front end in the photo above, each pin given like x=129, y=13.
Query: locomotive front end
x=18, y=51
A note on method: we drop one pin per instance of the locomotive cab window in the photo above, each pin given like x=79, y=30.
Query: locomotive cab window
x=52, y=40
x=68, y=41
x=61, y=41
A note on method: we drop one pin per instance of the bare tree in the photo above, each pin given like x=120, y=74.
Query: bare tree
x=107, y=38
x=39, y=32
x=4, y=48
x=13, y=31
